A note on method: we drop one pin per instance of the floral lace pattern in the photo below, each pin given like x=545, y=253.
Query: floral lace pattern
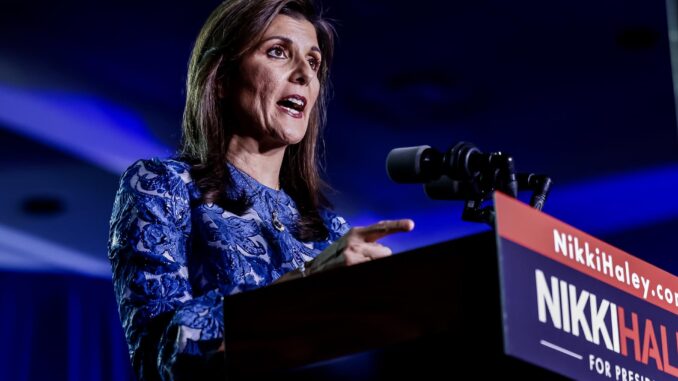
x=173, y=262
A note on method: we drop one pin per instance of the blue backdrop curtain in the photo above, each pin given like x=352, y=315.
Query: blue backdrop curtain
x=60, y=327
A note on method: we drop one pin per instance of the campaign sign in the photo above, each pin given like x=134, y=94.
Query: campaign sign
x=573, y=304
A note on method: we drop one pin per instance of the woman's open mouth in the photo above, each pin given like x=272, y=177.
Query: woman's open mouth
x=293, y=105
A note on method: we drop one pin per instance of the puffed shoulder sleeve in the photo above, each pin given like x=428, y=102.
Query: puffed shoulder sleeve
x=149, y=240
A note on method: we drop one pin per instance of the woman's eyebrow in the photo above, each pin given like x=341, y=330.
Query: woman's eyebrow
x=289, y=41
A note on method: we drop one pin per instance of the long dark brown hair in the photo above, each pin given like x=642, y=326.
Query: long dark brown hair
x=231, y=31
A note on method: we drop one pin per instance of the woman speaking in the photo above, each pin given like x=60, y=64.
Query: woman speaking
x=242, y=204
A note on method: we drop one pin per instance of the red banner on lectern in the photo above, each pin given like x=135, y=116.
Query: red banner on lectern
x=579, y=306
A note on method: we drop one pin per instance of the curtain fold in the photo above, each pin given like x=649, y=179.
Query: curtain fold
x=60, y=327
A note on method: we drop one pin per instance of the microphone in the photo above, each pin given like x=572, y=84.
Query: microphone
x=444, y=188
x=422, y=164
x=465, y=173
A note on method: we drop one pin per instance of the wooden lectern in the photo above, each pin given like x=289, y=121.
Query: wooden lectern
x=434, y=311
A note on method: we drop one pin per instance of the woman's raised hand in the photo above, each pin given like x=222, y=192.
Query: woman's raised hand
x=358, y=245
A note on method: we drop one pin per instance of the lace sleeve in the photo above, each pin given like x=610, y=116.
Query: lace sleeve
x=337, y=225
x=148, y=246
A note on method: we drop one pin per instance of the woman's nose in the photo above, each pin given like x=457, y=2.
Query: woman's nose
x=302, y=73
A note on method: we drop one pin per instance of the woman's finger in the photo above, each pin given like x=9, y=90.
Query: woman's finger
x=381, y=229
x=375, y=250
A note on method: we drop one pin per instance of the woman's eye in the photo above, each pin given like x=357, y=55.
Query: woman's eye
x=315, y=63
x=276, y=52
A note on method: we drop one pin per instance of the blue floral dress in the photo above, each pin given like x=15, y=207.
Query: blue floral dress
x=173, y=258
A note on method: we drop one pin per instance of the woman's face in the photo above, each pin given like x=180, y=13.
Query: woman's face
x=278, y=83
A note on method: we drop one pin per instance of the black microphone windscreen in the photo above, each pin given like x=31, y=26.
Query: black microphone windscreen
x=404, y=165
x=446, y=188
